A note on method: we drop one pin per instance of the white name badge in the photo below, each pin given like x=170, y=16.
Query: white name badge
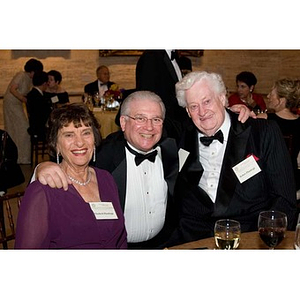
x=54, y=99
x=103, y=210
x=246, y=169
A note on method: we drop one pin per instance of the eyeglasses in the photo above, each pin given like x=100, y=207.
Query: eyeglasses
x=143, y=120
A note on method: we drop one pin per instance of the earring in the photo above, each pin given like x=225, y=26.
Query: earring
x=57, y=158
x=94, y=154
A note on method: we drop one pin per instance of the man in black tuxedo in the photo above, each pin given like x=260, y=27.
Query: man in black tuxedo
x=232, y=170
x=102, y=84
x=38, y=107
x=158, y=71
x=146, y=186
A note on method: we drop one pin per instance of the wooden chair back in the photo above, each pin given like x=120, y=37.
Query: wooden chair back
x=9, y=208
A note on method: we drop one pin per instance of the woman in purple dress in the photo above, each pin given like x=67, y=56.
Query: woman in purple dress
x=88, y=215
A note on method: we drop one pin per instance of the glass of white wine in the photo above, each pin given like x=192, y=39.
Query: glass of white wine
x=227, y=234
x=297, y=235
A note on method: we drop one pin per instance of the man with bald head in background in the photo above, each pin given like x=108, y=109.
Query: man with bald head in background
x=102, y=84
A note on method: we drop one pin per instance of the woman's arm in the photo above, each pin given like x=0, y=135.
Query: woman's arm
x=16, y=93
x=33, y=219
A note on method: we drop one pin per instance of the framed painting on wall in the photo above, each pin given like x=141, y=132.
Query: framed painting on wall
x=104, y=53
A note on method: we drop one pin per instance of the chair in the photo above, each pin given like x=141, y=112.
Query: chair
x=9, y=208
x=37, y=147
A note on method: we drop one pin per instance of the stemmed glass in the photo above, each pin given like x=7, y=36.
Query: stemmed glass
x=97, y=99
x=272, y=227
x=227, y=234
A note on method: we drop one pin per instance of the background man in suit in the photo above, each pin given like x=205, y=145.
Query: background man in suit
x=102, y=84
x=212, y=185
x=38, y=106
x=158, y=71
x=146, y=188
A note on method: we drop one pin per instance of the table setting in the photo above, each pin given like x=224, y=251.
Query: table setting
x=105, y=108
x=271, y=234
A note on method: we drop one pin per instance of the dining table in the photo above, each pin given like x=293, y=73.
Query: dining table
x=106, y=119
x=248, y=241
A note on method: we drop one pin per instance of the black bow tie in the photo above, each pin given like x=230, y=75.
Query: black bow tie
x=102, y=84
x=174, y=55
x=139, y=157
x=207, y=140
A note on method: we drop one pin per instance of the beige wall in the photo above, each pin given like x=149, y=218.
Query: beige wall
x=267, y=65
x=78, y=67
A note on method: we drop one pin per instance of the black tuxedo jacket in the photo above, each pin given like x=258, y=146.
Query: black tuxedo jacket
x=155, y=72
x=272, y=188
x=112, y=157
x=92, y=88
x=39, y=109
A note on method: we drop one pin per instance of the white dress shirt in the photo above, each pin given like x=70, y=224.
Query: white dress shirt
x=211, y=158
x=176, y=67
x=102, y=89
x=146, y=198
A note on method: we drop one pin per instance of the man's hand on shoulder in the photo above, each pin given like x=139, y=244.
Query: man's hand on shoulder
x=243, y=111
x=50, y=173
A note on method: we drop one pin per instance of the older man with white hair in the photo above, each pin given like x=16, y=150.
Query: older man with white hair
x=233, y=170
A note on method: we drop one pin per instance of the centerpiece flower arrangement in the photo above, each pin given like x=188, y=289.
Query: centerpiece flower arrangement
x=113, y=93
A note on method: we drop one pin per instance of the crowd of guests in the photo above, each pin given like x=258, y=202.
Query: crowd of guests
x=39, y=92
x=172, y=169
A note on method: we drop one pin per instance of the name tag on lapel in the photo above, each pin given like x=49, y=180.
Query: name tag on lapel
x=246, y=169
x=103, y=210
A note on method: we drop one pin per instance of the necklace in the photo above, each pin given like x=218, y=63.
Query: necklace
x=79, y=182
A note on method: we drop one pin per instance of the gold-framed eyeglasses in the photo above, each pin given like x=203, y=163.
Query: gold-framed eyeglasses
x=143, y=120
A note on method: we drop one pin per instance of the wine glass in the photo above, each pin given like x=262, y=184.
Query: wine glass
x=97, y=99
x=272, y=227
x=227, y=234
x=297, y=235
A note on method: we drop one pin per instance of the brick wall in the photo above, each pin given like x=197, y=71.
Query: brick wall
x=267, y=65
x=78, y=67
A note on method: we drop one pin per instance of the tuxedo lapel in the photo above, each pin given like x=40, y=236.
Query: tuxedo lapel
x=109, y=84
x=119, y=175
x=170, y=67
x=234, y=154
x=192, y=167
x=120, y=170
x=95, y=86
x=170, y=162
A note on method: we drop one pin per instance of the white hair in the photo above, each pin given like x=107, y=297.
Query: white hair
x=215, y=80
